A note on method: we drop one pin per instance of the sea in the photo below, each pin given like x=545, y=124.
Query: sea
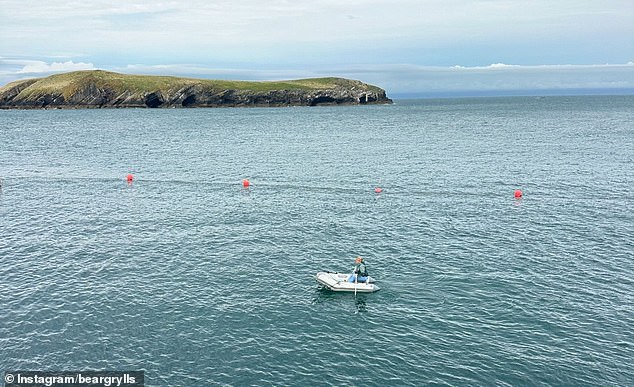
x=188, y=276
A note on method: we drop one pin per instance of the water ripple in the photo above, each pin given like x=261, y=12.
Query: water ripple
x=197, y=281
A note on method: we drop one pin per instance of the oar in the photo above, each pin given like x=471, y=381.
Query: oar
x=355, y=284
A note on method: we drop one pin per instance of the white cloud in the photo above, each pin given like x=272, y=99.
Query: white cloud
x=39, y=67
x=395, y=78
x=501, y=66
x=407, y=78
x=12, y=69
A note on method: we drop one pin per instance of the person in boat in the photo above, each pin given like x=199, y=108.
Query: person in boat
x=359, y=272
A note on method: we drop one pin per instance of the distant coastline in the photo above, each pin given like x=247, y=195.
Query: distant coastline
x=514, y=93
x=103, y=89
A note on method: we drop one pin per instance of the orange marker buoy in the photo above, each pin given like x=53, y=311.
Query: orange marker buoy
x=129, y=178
x=517, y=193
x=378, y=190
x=246, y=183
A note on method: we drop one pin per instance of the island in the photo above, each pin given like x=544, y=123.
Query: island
x=104, y=89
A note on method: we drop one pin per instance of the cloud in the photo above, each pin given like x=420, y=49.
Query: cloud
x=402, y=45
x=408, y=78
x=501, y=66
x=39, y=67
x=395, y=78
x=12, y=69
x=282, y=31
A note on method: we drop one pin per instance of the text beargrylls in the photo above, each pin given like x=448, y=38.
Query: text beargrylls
x=74, y=379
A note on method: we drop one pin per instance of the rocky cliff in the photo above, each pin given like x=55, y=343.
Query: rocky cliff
x=102, y=89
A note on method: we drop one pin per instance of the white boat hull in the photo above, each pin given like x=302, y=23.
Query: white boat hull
x=338, y=282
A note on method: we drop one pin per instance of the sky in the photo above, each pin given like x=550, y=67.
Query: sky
x=408, y=47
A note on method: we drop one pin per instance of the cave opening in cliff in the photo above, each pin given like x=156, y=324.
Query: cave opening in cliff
x=153, y=100
x=322, y=100
x=189, y=101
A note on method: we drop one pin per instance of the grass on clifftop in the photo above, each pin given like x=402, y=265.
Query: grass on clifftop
x=69, y=83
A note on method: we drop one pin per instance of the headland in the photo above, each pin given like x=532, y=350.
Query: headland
x=104, y=89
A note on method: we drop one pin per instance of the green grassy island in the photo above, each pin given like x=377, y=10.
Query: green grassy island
x=103, y=89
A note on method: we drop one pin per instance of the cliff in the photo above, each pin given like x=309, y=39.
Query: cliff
x=102, y=89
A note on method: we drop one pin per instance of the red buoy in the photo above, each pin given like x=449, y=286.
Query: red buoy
x=378, y=190
x=517, y=193
x=246, y=183
x=129, y=178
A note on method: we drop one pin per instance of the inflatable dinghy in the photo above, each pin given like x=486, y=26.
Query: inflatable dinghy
x=338, y=282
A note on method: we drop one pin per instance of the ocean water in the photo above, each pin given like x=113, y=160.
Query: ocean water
x=188, y=276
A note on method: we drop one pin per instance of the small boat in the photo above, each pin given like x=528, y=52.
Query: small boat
x=338, y=282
